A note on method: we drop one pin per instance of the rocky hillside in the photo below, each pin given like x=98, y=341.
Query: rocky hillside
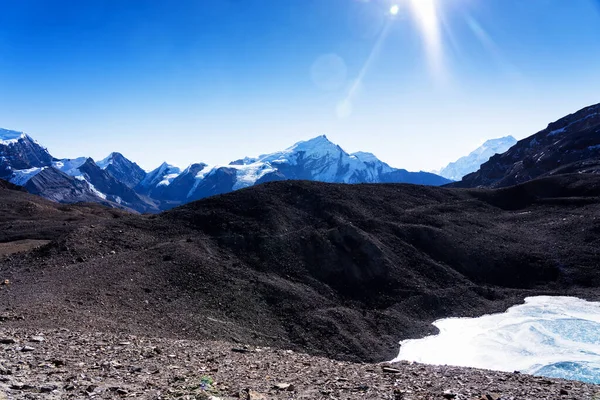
x=86, y=364
x=569, y=145
x=339, y=270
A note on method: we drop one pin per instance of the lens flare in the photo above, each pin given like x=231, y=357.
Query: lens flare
x=394, y=9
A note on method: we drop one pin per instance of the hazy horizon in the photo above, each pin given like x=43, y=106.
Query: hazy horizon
x=419, y=83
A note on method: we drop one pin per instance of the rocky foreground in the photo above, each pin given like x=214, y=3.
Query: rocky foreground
x=63, y=364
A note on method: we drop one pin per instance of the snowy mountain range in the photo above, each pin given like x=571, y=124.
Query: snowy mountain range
x=465, y=165
x=119, y=182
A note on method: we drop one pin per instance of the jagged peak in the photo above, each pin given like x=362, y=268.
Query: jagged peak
x=112, y=157
x=166, y=166
x=504, y=139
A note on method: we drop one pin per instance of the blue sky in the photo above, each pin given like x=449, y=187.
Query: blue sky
x=216, y=80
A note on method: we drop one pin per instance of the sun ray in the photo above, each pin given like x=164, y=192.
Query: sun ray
x=425, y=13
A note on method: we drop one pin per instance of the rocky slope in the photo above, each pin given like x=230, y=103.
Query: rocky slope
x=62, y=364
x=465, y=165
x=569, y=145
x=339, y=270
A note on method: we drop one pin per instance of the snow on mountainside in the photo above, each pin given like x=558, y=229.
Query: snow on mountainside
x=155, y=182
x=70, y=166
x=161, y=176
x=22, y=176
x=471, y=163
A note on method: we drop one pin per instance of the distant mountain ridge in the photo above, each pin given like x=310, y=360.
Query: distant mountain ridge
x=118, y=182
x=569, y=145
x=465, y=165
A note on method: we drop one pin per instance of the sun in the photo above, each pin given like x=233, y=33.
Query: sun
x=394, y=9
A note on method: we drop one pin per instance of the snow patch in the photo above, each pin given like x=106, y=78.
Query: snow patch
x=70, y=166
x=21, y=177
x=92, y=187
x=564, y=129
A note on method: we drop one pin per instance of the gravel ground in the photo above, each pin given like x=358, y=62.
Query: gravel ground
x=63, y=364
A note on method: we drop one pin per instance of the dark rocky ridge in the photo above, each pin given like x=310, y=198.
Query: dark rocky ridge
x=569, y=145
x=339, y=270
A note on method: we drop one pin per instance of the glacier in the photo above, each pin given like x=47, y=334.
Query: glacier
x=557, y=337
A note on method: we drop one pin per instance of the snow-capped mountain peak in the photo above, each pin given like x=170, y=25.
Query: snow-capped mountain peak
x=112, y=158
x=18, y=151
x=161, y=176
x=122, y=169
x=471, y=163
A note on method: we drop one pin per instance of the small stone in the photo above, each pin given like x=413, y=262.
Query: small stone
x=448, y=394
x=252, y=395
x=90, y=388
x=58, y=363
x=47, y=388
x=240, y=350
x=36, y=339
x=564, y=392
x=7, y=341
x=27, y=349
x=284, y=386
x=492, y=396
x=390, y=370
x=122, y=392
